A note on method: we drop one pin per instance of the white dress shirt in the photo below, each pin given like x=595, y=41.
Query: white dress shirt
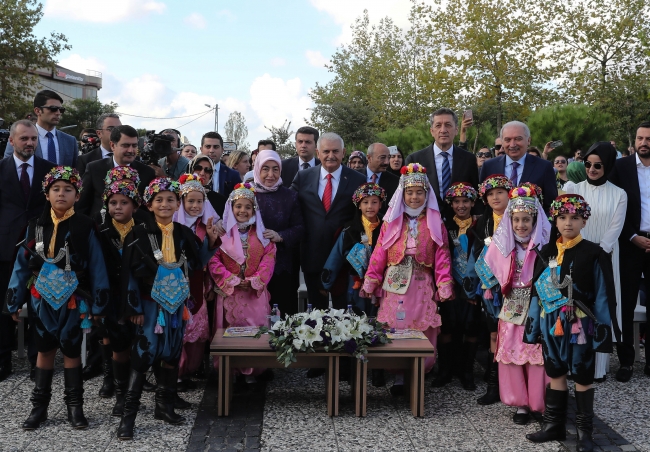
x=104, y=152
x=43, y=142
x=643, y=173
x=311, y=163
x=115, y=164
x=520, y=168
x=438, y=157
x=369, y=174
x=336, y=178
x=30, y=168
x=215, y=176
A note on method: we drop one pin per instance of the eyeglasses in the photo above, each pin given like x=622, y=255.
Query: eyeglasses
x=560, y=161
x=109, y=128
x=206, y=169
x=54, y=108
x=484, y=155
x=497, y=146
x=597, y=166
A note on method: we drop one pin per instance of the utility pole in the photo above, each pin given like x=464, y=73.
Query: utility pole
x=216, y=116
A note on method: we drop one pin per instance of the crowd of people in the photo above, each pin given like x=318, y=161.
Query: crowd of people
x=153, y=259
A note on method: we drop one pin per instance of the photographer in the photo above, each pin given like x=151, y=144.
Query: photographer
x=174, y=165
x=103, y=127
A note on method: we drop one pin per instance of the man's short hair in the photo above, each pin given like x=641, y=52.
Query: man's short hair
x=87, y=130
x=42, y=97
x=515, y=123
x=644, y=125
x=443, y=111
x=307, y=130
x=99, y=124
x=330, y=136
x=117, y=132
x=214, y=135
x=20, y=122
x=266, y=143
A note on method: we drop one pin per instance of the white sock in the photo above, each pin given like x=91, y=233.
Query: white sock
x=250, y=379
x=399, y=379
x=522, y=410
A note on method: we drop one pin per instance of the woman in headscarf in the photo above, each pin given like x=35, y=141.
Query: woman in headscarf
x=202, y=166
x=357, y=161
x=608, y=206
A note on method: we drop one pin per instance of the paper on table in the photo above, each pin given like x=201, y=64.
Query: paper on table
x=406, y=334
x=241, y=331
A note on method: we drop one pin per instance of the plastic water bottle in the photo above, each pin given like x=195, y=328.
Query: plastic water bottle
x=350, y=311
x=309, y=308
x=400, y=315
x=275, y=315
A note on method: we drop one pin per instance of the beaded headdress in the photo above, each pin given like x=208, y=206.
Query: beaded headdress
x=492, y=182
x=368, y=189
x=414, y=175
x=160, y=184
x=523, y=197
x=123, y=187
x=190, y=183
x=121, y=173
x=461, y=189
x=570, y=205
x=243, y=191
x=65, y=173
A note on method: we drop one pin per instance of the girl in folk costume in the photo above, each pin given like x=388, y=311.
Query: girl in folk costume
x=494, y=191
x=71, y=286
x=243, y=266
x=511, y=257
x=157, y=257
x=570, y=315
x=411, y=261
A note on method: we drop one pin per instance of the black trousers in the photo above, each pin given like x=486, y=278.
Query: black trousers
x=317, y=299
x=634, y=262
x=284, y=292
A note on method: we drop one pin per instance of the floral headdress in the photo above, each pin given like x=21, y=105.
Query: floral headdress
x=570, y=205
x=65, y=173
x=492, y=182
x=123, y=187
x=245, y=191
x=461, y=189
x=414, y=175
x=523, y=197
x=161, y=184
x=121, y=173
x=366, y=190
x=528, y=190
x=190, y=183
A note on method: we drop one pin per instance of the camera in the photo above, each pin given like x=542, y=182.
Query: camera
x=154, y=146
x=90, y=142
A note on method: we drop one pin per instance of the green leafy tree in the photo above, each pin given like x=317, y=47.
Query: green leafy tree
x=281, y=136
x=236, y=130
x=84, y=113
x=409, y=139
x=20, y=52
x=353, y=121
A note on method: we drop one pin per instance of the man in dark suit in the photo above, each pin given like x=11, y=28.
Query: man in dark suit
x=21, y=198
x=632, y=175
x=124, y=145
x=306, y=139
x=325, y=197
x=445, y=163
x=104, y=126
x=224, y=179
x=53, y=145
x=376, y=172
x=519, y=167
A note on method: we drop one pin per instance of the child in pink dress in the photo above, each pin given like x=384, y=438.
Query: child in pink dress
x=511, y=257
x=411, y=261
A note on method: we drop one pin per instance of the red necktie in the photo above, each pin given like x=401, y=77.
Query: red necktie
x=327, y=194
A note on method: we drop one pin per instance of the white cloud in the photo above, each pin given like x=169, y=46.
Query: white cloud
x=106, y=11
x=195, y=20
x=277, y=62
x=80, y=64
x=316, y=58
x=227, y=14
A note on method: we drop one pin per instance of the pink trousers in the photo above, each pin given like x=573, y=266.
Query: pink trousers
x=523, y=386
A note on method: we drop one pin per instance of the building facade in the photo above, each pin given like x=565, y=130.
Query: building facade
x=69, y=84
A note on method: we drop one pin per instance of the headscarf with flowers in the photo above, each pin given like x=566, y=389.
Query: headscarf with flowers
x=494, y=181
x=121, y=173
x=570, y=205
x=368, y=189
x=160, y=184
x=358, y=155
x=123, y=187
x=461, y=189
x=66, y=173
x=192, y=183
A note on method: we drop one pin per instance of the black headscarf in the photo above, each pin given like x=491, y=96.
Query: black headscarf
x=607, y=154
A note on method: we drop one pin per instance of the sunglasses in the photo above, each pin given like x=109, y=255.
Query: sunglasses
x=560, y=161
x=206, y=169
x=497, y=146
x=484, y=154
x=53, y=108
x=597, y=166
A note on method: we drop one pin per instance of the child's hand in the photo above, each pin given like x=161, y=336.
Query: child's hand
x=245, y=284
x=220, y=230
x=363, y=294
x=15, y=316
x=137, y=319
x=213, y=234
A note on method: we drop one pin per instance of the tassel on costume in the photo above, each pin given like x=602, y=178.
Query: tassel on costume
x=83, y=307
x=72, y=302
x=575, y=327
x=574, y=339
x=557, y=329
x=487, y=294
x=86, y=324
x=175, y=319
x=186, y=314
x=581, y=337
x=159, y=323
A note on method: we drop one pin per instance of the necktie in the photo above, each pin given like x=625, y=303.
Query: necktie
x=513, y=176
x=109, y=155
x=305, y=165
x=373, y=178
x=327, y=194
x=51, y=150
x=446, y=174
x=24, y=180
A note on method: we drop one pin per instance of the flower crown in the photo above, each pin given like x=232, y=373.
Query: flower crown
x=527, y=190
x=65, y=173
x=190, y=183
x=120, y=173
x=368, y=189
x=492, y=182
x=123, y=187
x=414, y=175
x=570, y=205
x=243, y=190
x=461, y=189
x=160, y=184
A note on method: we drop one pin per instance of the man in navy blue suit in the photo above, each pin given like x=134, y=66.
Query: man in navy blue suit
x=53, y=145
x=519, y=167
x=224, y=179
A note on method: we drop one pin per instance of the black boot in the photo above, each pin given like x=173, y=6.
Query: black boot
x=469, y=353
x=74, y=397
x=121, y=382
x=180, y=403
x=108, y=386
x=131, y=405
x=488, y=366
x=40, y=398
x=444, y=366
x=166, y=395
x=492, y=395
x=585, y=420
x=554, y=425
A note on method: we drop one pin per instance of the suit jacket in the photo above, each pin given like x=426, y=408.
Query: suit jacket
x=388, y=182
x=321, y=227
x=536, y=170
x=91, y=202
x=228, y=178
x=68, y=149
x=15, y=210
x=624, y=175
x=290, y=169
x=85, y=159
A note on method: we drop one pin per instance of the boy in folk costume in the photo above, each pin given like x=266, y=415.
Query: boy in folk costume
x=570, y=315
x=71, y=286
x=411, y=261
x=511, y=258
x=460, y=318
x=157, y=256
x=243, y=266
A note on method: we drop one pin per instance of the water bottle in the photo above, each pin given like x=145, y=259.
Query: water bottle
x=309, y=308
x=350, y=311
x=400, y=315
x=275, y=315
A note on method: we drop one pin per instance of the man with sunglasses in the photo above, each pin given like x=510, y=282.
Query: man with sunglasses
x=482, y=155
x=104, y=126
x=498, y=147
x=53, y=145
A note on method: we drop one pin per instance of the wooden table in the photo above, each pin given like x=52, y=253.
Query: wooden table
x=404, y=354
x=234, y=352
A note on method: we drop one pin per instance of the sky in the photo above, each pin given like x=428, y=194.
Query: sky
x=168, y=58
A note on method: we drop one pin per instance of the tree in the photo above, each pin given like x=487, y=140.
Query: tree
x=84, y=113
x=281, y=136
x=236, y=130
x=353, y=121
x=408, y=139
x=20, y=52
